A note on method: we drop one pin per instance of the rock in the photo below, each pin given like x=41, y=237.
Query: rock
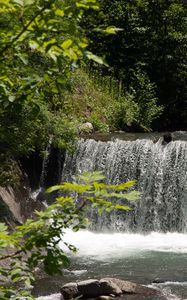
x=86, y=128
x=167, y=138
x=158, y=280
x=89, y=288
x=16, y=205
x=128, y=287
x=94, y=288
x=108, y=288
x=69, y=291
x=105, y=289
x=105, y=297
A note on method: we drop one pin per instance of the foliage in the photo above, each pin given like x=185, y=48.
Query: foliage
x=103, y=101
x=98, y=99
x=152, y=43
x=41, y=43
x=40, y=241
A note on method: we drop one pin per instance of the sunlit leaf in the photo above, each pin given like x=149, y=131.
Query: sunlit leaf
x=59, y=12
x=66, y=44
x=91, y=177
x=112, y=30
x=95, y=58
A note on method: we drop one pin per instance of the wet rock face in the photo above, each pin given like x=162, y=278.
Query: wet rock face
x=167, y=138
x=10, y=210
x=109, y=287
x=16, y=205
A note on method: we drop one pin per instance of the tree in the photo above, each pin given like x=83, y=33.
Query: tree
x=152, y=42
x=37, y=241
x=41, y=43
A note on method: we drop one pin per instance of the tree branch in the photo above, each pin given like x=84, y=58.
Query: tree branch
x=11, y=255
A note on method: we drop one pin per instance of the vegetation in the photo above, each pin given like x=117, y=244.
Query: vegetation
x=41, y=43
x=37, y=241
x=43, y=96
x=151, y=48
x=102, y=101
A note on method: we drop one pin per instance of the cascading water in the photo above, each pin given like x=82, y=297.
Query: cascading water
x=161, y=174
x=147, y=244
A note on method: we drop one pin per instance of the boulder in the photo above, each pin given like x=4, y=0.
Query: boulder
x=86, y=128
x=93, y=288
x=128, y=287
x=105, y=289
x=89, y=288
x=69, y=290
x=109, y=288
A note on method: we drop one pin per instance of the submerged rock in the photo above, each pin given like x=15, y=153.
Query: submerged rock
x=104, y=289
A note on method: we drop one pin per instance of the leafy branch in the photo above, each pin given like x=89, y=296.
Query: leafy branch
x=38, y=241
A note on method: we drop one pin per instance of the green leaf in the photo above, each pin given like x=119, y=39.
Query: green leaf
x=19, y=2
x=122, y=186
x=67, y=44
x=23, y=57
x=33, y=44
x=28, y=2
x=54, y=188
x=95, y=58
x=112, y=30
x=134, y=195
x=83, y=45
x=82, y=5
x=3, y=227
x=122, y=207
x=59, y=12
x=91, y=177
x=11, y=98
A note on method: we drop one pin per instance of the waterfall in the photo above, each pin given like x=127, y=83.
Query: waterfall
x=161, y=174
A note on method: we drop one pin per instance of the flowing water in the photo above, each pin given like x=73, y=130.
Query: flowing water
x=140, y=258
x=161, y=174
x=148, y=245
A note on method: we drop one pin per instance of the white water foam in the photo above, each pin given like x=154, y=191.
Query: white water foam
x=50, y=297
x=179, y=283
x=101, y=246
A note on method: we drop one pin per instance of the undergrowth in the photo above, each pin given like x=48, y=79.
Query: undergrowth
x=103, y=101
